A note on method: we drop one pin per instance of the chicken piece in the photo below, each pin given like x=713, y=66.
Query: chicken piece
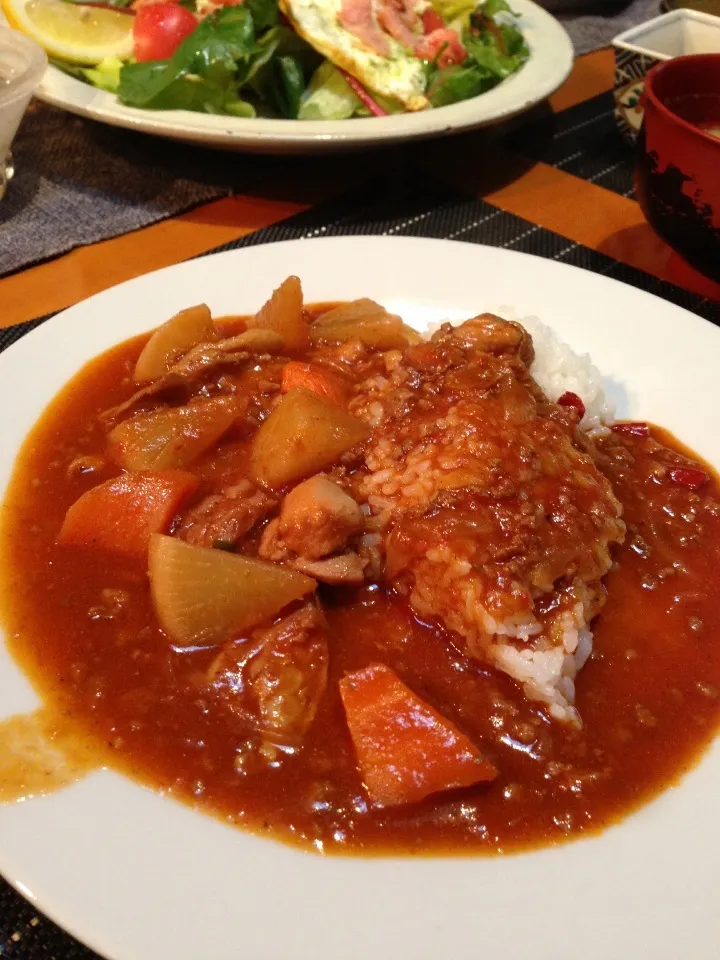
x=275, y=679
x=494, y=516
x=318, y=518
x=201, y=360
x=272, y=547
x=224, y=517
x=348, y=569
x=491, y=334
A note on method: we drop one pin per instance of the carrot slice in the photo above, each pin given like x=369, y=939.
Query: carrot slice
x=405, y=749
x=316, y=379
x=120, y=515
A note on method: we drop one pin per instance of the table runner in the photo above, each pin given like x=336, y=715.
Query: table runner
x=78, y=181
x=420, y=206
x=583, y=141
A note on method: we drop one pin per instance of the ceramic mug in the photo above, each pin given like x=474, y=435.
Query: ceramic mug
x=678, y=159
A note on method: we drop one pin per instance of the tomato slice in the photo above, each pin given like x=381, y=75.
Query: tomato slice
x=431, y=21
x=159, y=29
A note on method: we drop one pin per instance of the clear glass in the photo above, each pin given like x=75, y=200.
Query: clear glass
x=22, y=65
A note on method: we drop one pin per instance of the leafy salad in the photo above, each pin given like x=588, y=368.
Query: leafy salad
x=302, y=59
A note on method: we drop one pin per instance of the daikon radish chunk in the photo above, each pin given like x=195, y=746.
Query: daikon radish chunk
x=205, y=596
x=174, y=338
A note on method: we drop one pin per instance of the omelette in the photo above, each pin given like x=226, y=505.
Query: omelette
x=372, y=41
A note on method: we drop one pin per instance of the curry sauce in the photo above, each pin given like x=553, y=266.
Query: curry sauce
x=85, y=631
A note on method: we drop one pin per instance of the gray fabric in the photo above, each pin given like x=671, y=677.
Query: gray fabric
x=77, y=182
x=593, y=25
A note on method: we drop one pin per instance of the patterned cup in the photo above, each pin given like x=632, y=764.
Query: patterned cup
x=674, y=34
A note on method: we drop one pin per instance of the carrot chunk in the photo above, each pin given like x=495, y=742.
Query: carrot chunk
x=405, y=749
x=120, y=515
x=316, y=379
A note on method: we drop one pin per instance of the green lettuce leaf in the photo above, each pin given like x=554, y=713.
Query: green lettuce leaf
x=485, y=51
x=492, y=7
x=265, y=13
x=71, y=69
x=328, y=96
x=202, y=74
x=106, y=75
x=271, y=81
x=239, y=61
x=290, y=85
x=494, y=53
x=217, y=44
x=457, y=83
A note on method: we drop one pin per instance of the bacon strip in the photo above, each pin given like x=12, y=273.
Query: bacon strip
x=357, y=18
x=400, y=19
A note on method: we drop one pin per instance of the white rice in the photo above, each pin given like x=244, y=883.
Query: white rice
x=558, y=370
x=548, y=674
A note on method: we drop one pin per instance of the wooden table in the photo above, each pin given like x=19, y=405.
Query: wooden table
x=549, y=197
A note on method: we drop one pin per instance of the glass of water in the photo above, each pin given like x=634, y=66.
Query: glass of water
x=22, y=64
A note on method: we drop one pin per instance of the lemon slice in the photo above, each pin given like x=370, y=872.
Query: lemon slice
x=80, y=34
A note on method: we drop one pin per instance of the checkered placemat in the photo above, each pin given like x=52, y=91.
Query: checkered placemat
x=126, y=180
x=421, y=207
x=583, y=141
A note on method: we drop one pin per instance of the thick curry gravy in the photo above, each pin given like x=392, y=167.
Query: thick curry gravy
x=84, y=629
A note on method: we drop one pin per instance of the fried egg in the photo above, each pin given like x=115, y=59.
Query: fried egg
x=393, y=73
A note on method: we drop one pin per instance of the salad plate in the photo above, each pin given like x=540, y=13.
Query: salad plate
x=139, y=876
x=547, y=66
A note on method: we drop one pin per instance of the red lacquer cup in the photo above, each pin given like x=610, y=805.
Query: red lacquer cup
x=677, y=175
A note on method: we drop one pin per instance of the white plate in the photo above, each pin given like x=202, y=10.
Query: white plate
x=551, y=57
x=140, y=877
